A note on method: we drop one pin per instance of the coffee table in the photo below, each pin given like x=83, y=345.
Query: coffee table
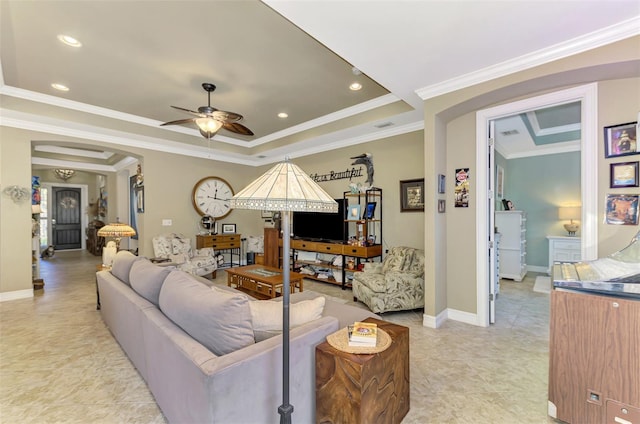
x=261, y=282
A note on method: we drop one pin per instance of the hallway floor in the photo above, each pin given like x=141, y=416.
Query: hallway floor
x=60, y=364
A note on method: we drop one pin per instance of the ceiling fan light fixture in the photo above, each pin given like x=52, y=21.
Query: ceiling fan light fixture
x=209, y=125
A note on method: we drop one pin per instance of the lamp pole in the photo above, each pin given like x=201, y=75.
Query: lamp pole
x=286, y=409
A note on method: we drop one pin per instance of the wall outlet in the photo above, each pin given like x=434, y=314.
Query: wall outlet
x=167, y=222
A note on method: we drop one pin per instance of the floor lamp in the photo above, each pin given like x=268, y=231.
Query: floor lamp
x=285, y=188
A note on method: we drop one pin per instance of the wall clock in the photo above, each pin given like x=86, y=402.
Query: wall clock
x=211, y=196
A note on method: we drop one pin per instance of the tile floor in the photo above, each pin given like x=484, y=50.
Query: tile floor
x=60, y=364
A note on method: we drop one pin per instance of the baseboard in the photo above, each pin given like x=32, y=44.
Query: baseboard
x=434, y=322
x=453, y=314
x=535, y=268
x=465, y=317
x=15, y=295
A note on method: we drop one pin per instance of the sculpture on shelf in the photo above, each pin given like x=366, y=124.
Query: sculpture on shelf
x=365, y=159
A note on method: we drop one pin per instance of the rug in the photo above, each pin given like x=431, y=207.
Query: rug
x=543, y=284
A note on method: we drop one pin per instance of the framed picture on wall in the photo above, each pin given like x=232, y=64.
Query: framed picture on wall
x=228, y=228
x=624, y=174
x=441, y=183
x=621, y=209
x=621, y=140
x=412, y=195
x=140, y=199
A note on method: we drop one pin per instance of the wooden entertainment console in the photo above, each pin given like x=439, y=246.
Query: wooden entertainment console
x=273, y=254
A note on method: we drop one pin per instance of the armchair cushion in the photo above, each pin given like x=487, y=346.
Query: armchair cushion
x=177, y=248
x=255, y=244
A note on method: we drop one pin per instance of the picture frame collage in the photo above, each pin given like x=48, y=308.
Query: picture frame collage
x=621, y=140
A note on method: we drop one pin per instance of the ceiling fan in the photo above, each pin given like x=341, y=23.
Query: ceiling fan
x=209, y=119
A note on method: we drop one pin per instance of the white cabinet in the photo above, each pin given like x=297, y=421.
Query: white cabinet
x=563, y=249
x=513, y=244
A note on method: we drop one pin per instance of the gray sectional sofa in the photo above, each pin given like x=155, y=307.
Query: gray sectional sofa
x=194, y=343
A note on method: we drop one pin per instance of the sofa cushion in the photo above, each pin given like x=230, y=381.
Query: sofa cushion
x=217, y=319
x=266, y=315
x=122, y=265
x=146, y=279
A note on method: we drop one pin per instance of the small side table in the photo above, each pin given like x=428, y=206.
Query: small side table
x=354, y=388
x=99, y=268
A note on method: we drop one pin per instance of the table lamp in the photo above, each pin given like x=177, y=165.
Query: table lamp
x=569, y=213
x=285, y=188
x=117, y=230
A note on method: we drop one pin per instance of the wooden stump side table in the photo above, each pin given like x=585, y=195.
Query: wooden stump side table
x=354, y=388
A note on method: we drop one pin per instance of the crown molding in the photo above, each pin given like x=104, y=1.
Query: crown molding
x=608, y=35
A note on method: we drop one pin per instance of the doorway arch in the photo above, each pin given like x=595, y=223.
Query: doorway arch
x=587, y=95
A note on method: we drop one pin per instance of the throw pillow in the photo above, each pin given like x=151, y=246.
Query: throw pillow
x=122, y=265
x=147, y=278
x=266, y=315
x=219, y=320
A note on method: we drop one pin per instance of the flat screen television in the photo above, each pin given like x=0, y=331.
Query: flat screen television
x=319, y=226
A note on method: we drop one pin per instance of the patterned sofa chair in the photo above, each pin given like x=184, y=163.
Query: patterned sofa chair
x=395, y=284
x=177, y=248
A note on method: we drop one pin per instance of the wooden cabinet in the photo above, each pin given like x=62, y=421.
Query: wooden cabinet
x=594, y=370
x=95, y=243
x=224, y=244
x=272, y=248
x=513, y=244
x=273, y=254
x=563, y=249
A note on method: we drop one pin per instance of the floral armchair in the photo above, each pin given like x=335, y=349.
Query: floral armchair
x=395, y=284
x=177, y=248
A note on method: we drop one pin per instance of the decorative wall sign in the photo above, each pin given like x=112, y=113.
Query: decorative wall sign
x=461, y=190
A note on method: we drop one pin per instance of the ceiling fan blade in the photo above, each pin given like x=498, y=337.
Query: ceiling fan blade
x=224, y=116
x=237, y=128
x=179, y=122
x=193, y=112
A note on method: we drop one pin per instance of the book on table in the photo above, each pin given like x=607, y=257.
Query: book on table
x=363, y=334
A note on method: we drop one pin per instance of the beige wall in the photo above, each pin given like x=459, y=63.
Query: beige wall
x=450, y=122
x=618, y=103
x=15, y=218
x=168, y=185
x=395, y=159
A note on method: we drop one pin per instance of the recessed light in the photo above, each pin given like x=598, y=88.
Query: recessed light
x=60, y=87
x=283, y=115
x=355, y=86
x=69, y=41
